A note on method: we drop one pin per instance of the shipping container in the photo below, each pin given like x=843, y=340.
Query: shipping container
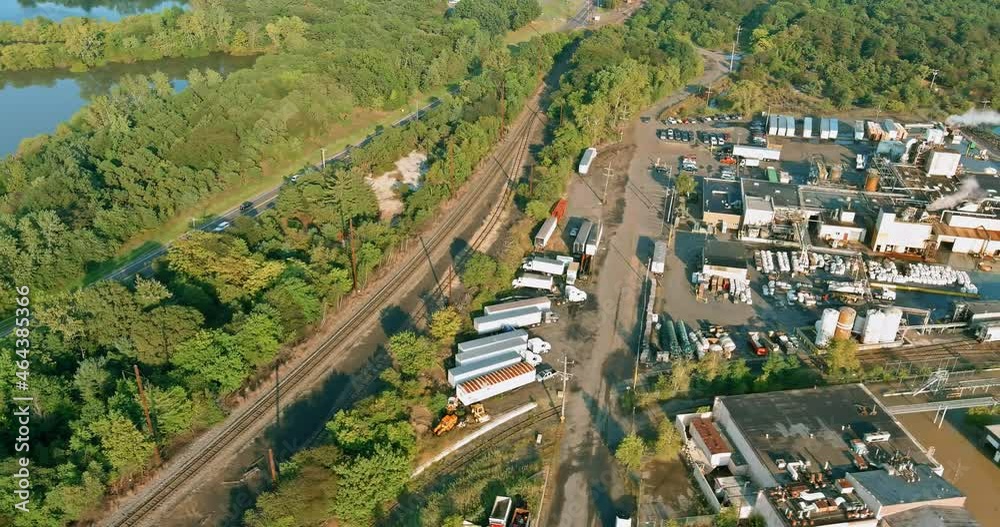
x=472, y=370
x=495, y=383
x=772, y=125
x=580, y=243
x=572, y=271
x=500, y=513
x=540, y=264
x=533, y=281
x=518, y=335
x=519, y=318
x=659, y=257
x=834, y=128
x=489, y=353
x=594, y=240
x=559, y=210
x=859, y=130
x=540, y=303
x=824, y=128
x=782, y=127
x=772, y=175
x=807, y=127
x=545, y=232
x=585, y=162
x=789, y=126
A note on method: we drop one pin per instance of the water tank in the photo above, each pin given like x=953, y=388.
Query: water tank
x=727, y=343
x=845, y=322
x=893, y=317
x=871, y=182
x=872, y=332
x=836, y=171
x=825, y=327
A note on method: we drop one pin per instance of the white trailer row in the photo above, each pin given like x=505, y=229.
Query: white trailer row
x=829, y=128
x=541, y=264
x=472, y=370
x=541, y=303
x=580, y=243
x=781, y=125
x=659, y=260
x=807, y=127
x=543, y=282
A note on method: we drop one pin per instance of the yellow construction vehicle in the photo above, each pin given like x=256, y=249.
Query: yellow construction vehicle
x=447, y=423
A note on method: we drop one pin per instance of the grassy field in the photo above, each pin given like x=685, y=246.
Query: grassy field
x=555, y=13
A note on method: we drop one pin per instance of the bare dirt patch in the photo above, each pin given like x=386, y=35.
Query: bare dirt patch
x=409, y=170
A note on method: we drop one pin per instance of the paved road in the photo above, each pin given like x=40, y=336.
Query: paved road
x=589, y=490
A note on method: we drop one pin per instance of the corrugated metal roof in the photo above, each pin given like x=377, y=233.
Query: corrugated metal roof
x=497, y=377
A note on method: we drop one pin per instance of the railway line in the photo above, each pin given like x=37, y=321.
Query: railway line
x=476, y=192
x=964, y=352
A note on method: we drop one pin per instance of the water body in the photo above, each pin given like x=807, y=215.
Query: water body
x=35, y=102
x=19, y=10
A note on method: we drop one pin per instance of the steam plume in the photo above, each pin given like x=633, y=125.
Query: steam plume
x=968, y=189
x=974, y=118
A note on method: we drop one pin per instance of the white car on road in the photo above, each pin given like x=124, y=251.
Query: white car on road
x=223, y=225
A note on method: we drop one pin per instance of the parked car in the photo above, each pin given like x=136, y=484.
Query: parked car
x=645, y=119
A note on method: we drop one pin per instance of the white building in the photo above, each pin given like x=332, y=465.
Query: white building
x=943, y=163
x=968, y=233
x=893, y=236
x=841, y=228
x=710, y=442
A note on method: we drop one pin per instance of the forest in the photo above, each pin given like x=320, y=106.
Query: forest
x=870, y=53
x=132, y=160
x=219, y=309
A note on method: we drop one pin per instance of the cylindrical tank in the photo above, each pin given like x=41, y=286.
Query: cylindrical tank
x=825, y=327
x=836, y=171
x=727, y=343
x=871, y=182
x=845, y=322
x=874, y=325
x=890, y=327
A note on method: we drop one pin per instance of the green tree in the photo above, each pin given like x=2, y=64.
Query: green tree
x=211, y=359
x=727, y=517
x=842, y=358
x=631, y=451
x=374, y=421
x=412, y=353
x=685, y=184
x=668, y=440
x=367, y=482
x=125, y=448
x=745, y=97
x=446, y=323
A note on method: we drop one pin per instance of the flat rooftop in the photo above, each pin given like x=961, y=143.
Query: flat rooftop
x=891, y=489
x=816, y=425
x=710, y=436
x=931, y=516
x=722, y=197
x=725, y=254
x=784, y=195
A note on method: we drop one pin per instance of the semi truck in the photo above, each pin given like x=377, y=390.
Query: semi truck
x=572, y=272
x=540, y=264
x=518, y=318
x=580, y=243
x=594, y=240
x=533, y=281
x=542, y=303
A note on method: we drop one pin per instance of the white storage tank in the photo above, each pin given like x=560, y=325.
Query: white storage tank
x=893, y=318
x=872, y=332
x=825, y=327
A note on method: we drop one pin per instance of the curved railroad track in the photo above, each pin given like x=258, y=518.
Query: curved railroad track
x=181, y=469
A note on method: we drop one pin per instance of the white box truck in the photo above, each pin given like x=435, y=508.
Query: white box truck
x=545, y=232
x=540, y=264
x=659, y=260
x=533, y=281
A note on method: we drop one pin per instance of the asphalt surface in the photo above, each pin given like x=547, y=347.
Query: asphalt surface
x=602, y=338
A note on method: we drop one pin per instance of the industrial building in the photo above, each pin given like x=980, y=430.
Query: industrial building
x=840, y=227
x=724, y=259
x=821, y=456
x=904, y=234
x=992, y=442
x=723, y=203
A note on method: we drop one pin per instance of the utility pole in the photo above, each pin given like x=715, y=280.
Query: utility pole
x=986, y=103
x=145, y=411
x=934, y=74
x=565, y=375
x=322, y=158
x=354, y=260
x=732, y=57
x=271, y=465
x=608, y=174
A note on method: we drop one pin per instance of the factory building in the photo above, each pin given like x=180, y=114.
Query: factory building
x=822, y=456
x=840, y=227
x=968, y=233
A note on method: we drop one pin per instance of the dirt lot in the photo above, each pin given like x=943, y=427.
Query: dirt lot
x=966, y=466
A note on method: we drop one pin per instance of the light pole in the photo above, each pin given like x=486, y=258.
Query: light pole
x=934, y=74
x=732, y=57
x=322, y=158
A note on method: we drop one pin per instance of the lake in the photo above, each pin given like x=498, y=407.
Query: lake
x=35, y=102
x=18, y=10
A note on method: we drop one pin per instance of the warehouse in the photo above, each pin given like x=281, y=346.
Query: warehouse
x=839, y=228
x=723, y=206
x=992, y=442
x=724, y=259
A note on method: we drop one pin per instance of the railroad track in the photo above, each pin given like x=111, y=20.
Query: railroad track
x=184, y=468
x=972, y=352
x=476, y=449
